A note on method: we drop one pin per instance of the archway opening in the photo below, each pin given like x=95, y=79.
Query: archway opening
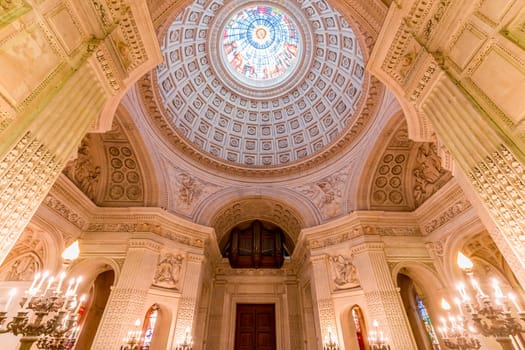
x=97, y=300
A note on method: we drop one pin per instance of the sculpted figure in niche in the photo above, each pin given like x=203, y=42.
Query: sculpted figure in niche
x=345, y=273
x=168, y=271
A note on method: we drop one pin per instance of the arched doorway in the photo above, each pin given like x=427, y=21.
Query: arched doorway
x=97, y=300
x=413, y=301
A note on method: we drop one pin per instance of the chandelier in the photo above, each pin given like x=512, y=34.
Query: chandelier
x=48, y=312
x=496, y=315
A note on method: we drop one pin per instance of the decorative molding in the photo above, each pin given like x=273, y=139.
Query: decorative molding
x=145, y=226
x=66, y=212
x=446, y=216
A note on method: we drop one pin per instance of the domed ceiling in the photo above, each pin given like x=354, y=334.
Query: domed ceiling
x=261, y=85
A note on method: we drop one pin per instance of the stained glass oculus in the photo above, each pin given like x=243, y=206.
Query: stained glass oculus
x=261, y=43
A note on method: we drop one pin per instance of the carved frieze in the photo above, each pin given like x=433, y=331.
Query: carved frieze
x=146, y=226
x=454, y=210
x=63, y=210
x=327, y=194
x=168, y=271
x=344, y=273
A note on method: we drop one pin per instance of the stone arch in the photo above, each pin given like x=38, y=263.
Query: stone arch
x=36, y=250
x=238, y=207
x=303, y=210
x=488, y=261
x=415, y=279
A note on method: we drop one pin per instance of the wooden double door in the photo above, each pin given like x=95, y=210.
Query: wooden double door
x=255, y=327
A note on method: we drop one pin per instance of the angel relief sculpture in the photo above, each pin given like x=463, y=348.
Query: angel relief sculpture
x=168, y=271
x=344, y=272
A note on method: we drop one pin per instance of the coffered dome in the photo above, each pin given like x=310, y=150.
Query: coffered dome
x=258, y=86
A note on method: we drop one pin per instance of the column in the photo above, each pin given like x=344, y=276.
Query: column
x=128, y=296
x=58, y=81
x=384, y=303
x=186, y=313
x=492, y=175
x=322, y=297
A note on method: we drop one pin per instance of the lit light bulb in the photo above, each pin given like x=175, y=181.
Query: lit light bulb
x=464, y=263
x=445, y=305
x=71, y=252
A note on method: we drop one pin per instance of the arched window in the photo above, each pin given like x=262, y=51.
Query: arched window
x=423, y=314
x=149, y=325
x=357, y=317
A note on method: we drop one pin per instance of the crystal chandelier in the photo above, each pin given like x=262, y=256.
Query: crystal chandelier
x=377, y=339
x=47, y=313
x=187, y=343
x=498, y=316
x=330, y=342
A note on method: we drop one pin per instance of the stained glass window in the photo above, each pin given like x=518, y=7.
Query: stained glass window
x=151, y=320
x=358, y=317
x=260, y=43
x=428, y=325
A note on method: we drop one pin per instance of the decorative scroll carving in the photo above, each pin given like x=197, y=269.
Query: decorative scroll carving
x=189, y=191
x=22, y=269
x=337, y=239
x=146, y=226
x=64, y=211
x=168, y=271
x=344, y=272
x=328, y=194
x=446, y=216
x=429, y=175
x=82, y=171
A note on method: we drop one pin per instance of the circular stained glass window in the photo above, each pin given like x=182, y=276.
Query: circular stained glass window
x=261, y=43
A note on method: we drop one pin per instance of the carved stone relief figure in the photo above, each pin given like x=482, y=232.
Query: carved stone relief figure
x=188, y=190
x=327, y=194
x=82, y=171
x=429, y=175
x=168, y=271
x=21, y=269
x=344, y=272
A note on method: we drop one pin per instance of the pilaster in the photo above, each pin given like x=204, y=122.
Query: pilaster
x=322, y=297
x=382, y=297
x=127, y=299
x=186, y=313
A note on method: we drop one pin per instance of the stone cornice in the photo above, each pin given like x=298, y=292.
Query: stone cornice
x=361, y=223
x=70, y=203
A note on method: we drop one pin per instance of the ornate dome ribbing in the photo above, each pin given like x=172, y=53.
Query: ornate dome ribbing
x=229, y=118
